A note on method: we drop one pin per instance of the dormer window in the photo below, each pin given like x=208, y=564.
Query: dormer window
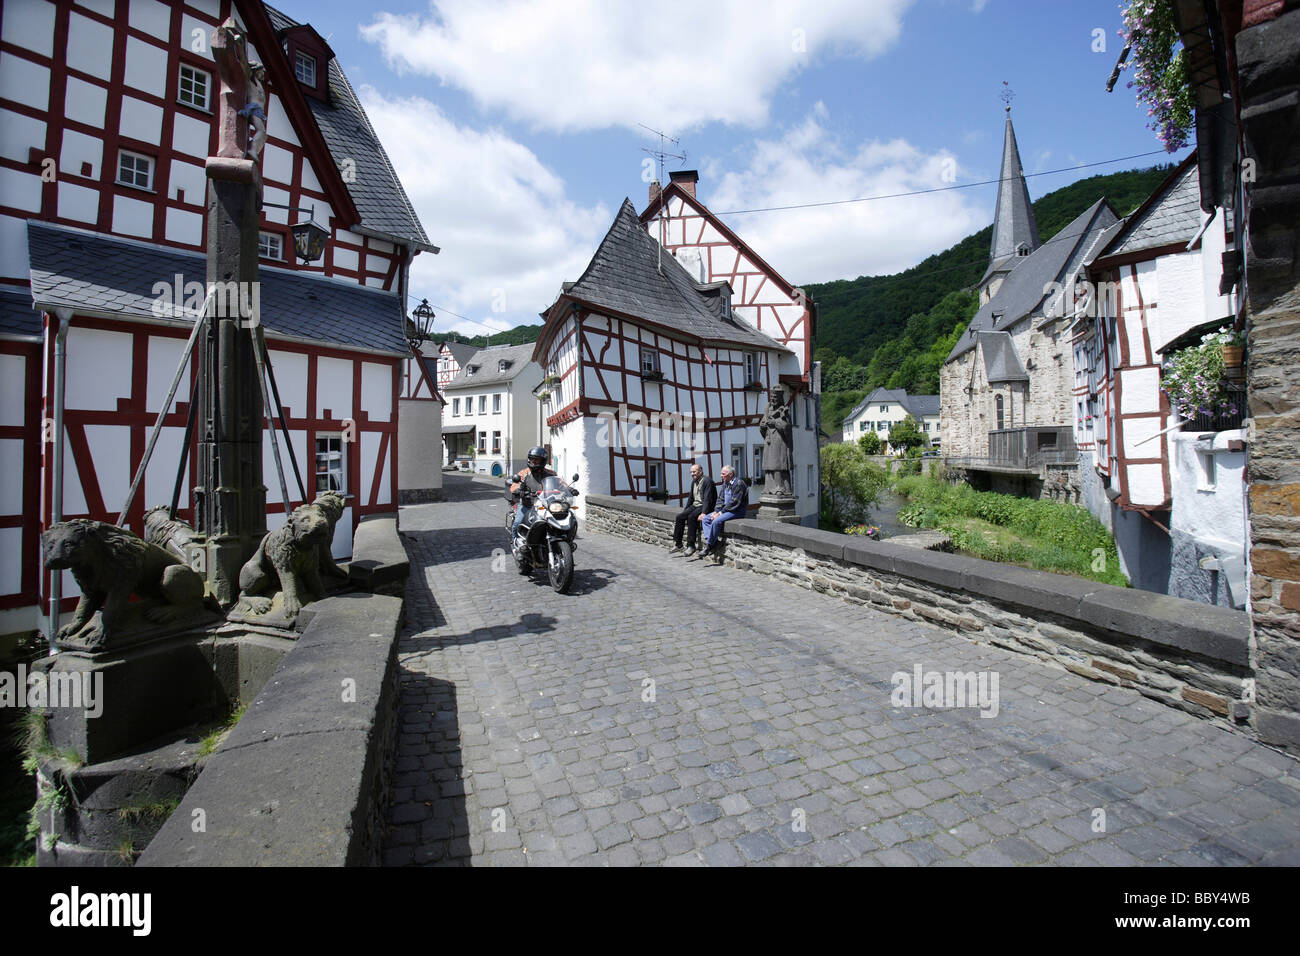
x=304, y=68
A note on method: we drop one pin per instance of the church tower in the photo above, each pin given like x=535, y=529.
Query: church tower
x=1015, y=233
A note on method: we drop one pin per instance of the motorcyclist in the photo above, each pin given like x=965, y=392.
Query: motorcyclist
x=529, y=481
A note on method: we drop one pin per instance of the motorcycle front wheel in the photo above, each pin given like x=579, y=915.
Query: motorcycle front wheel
x=560, y=569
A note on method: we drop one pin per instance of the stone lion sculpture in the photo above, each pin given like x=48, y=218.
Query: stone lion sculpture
x=110, y=564
x=288, y=561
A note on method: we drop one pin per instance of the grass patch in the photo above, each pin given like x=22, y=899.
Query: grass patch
x=218, y=736
x=1041, y=534
x=157, y=812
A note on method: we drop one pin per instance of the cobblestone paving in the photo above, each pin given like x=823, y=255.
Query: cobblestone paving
x=531, y=735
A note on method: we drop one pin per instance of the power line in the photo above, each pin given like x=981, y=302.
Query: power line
x=937, y=189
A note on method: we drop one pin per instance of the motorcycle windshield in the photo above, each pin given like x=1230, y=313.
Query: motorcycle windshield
x=551, y=485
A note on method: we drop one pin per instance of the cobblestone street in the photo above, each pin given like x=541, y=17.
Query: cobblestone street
x=677, y=713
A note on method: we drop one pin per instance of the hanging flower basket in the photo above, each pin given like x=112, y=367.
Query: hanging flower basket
x=543, y=397
x=1193, y=377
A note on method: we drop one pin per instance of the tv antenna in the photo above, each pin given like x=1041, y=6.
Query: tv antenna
x=662, y=154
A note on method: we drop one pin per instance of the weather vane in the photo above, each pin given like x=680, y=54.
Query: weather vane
x=1007, y=94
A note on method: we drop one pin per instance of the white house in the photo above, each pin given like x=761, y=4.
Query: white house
x=107, y=111
x=1173, y=492
x=886, y=407
x=652, y=370
x=491, y=408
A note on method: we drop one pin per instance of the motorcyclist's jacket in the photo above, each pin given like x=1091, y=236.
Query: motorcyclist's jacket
x=531, y=481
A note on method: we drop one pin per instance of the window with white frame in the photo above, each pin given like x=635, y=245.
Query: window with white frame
x=751, y=367
x=738, y=460
x=330, y=472
x=482, y=404
x=455, y=408
x=812, y=483
x=1207, y=471
x=496, y=404
x=482, y=443
x=758, y=462
x=884, y=409
x=862, y=425
x=649, y=360
x=270, y=245
x=134, y=169
x=654, y=476
x=496, y=443
x=192, y=90
x=304, y=68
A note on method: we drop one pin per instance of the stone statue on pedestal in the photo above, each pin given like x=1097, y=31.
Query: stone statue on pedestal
x=778, y=432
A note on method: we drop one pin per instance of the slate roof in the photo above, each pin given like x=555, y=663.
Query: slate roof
x=1001, y=361
x=1013, y=221
x=918, y=406
x=105, y=274
x=489, y=371
x=18, y=317
x=1173, y=214
x=624, y=276
x=1023, y=291
x=462, y=352
x=375, y=190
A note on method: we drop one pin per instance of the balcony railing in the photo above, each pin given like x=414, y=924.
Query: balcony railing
x=1024, y=449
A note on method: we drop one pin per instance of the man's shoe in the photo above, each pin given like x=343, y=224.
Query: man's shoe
x=691, y=552
x=676, y=550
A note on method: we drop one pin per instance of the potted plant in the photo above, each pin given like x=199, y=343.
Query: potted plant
x=551, y=380
x=543, y=397
x=1193, y=377
x=1231, y=343
x=652, y=375
x=753, y=386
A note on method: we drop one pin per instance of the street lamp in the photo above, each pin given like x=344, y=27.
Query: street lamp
x=309, y=240
x=419, y=326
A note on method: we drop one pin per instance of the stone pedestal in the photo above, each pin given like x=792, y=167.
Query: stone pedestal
x=777, y=508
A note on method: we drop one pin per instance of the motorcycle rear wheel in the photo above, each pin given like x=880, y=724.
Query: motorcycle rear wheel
x=560, y=568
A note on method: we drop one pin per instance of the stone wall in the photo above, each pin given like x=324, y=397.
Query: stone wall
x=1269, y=97
x=1182, y=654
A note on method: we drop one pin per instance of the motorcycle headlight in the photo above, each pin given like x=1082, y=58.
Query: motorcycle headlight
x=558, y=507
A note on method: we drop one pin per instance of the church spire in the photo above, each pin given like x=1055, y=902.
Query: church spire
x=1015, y=233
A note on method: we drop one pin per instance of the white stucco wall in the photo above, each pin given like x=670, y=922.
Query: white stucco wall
x=1208, y=521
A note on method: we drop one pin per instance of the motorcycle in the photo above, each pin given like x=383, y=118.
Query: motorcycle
x=547, y=536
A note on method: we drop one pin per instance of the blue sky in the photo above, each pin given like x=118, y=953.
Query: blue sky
x=513, y=125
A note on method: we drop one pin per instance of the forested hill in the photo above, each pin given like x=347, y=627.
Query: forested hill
x=516, y=336
x=858, y=316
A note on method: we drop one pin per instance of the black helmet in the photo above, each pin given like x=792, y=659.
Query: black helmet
x=537, y=452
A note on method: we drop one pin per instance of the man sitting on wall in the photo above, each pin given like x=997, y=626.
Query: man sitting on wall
x=733, y=499
x=703, y=496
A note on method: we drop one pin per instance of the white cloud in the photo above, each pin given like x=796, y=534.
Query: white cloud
x=590, y=64
x=508, y=234
x=808, y=164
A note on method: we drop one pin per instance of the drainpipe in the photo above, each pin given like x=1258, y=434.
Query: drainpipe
x=64, y=315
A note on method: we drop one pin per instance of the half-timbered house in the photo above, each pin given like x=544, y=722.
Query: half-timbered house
x=108, y=116
x=1172, y=491
x=651, y=368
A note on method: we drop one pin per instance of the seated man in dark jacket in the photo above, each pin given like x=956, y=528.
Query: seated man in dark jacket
x=733, y=499
x=700, y=501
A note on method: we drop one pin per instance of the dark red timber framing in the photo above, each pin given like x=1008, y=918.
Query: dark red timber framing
x=607, y=369
x=1127, y=315
x=134, y=414
x=729, y=258
x=29, y=434
x=376, y=259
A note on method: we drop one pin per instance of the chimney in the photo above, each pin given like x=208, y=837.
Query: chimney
x=686, y=179
x=655, y=189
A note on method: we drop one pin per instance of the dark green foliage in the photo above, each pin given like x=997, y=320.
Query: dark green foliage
x=907, y=435
x=835, y=405
x=859, y=317
x=516, y=336
x=869, y=443
x=852, y=485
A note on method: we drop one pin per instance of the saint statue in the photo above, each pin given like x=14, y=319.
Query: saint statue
x=777, y=430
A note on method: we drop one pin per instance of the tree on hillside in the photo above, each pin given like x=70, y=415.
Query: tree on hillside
x=907, y=434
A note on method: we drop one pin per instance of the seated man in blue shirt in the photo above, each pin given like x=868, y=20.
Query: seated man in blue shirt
x=733, y=499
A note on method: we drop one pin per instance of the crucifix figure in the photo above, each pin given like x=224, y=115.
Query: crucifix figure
x=230, y=50
x=254, y=111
